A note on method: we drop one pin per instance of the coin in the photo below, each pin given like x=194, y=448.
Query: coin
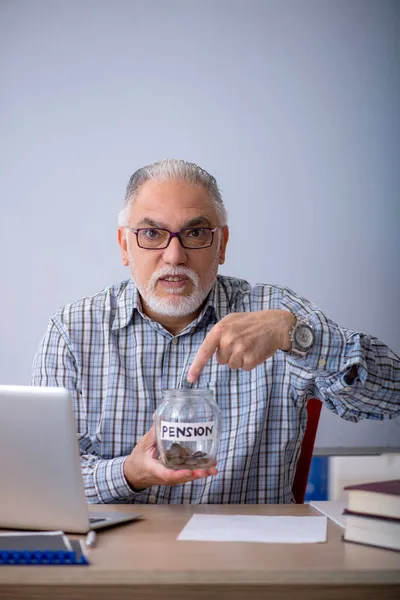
x=182, y=457
x=177, y=461
x=175, y=450
x=199, y=454
x=191, y=462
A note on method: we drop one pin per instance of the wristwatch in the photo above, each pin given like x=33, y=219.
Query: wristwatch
x=302, y=337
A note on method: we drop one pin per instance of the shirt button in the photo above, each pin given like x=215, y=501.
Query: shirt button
x=347, y=389
x=322, y=362
x=175, y=341
x=152, y=499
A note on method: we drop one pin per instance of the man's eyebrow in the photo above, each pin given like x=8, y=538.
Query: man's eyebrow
x=150, y=223
x=197, y=221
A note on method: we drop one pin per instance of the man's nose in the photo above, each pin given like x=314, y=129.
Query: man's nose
x=174, y=253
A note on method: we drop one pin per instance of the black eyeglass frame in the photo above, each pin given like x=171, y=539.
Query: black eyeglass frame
x=173, y=234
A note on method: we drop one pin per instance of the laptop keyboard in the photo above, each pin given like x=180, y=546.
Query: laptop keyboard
x=95, y=520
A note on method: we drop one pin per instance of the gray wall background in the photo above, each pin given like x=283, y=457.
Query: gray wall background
x=292, y=105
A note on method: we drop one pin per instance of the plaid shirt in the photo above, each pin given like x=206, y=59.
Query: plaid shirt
x=116, y=361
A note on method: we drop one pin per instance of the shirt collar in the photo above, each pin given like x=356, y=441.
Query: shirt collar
x=129, y=300
x=217, y=300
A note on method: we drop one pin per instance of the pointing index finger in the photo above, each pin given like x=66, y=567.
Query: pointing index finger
x=203, y=355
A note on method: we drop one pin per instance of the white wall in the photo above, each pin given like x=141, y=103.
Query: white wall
x=352, y=470
x=293, y=105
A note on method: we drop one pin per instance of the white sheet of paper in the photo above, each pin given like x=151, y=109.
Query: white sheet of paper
x=333, y=509
x=248, y=528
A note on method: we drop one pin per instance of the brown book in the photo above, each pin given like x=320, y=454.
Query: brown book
x=383, y=532
x=380, y=498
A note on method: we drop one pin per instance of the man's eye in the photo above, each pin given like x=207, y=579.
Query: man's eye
x=195, y=233
x=151, y=234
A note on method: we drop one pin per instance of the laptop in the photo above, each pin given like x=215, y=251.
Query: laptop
x=41, y=484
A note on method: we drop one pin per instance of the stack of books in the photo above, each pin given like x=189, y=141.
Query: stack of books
x=373, y=514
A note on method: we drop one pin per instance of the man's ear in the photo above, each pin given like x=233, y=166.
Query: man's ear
x=123, y=244
x=223, y=243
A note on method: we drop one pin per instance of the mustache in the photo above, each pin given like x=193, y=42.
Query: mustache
x=175, y=272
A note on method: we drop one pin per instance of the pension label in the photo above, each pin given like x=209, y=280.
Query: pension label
x=187, y=431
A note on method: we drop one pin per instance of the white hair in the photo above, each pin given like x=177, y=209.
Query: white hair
x=172, y=168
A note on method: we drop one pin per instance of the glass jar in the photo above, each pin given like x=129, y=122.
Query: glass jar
x=188, y=428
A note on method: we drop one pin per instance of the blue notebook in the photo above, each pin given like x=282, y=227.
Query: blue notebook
x=41, y=549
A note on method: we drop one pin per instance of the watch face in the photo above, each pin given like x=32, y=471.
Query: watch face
x=304, y=337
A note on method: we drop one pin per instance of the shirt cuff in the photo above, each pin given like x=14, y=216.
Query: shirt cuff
x=110, y=482
x=333, y=352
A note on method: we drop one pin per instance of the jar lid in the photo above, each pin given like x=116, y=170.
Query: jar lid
x=185, y=393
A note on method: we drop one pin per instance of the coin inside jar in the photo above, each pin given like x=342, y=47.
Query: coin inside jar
x=181, y=457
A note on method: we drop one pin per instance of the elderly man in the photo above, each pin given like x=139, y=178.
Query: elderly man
x=264, y=350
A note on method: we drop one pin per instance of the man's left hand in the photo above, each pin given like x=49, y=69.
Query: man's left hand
x=244, y=340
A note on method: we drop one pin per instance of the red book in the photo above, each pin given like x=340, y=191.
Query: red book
x=379, y=498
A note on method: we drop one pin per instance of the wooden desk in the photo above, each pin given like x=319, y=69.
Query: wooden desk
x=143, y=560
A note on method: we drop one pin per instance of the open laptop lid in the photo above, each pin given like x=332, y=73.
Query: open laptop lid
x=40, y=473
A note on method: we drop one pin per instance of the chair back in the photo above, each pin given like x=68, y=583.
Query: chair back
x=303, y=465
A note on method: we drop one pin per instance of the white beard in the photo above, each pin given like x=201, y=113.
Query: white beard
x=177, y=305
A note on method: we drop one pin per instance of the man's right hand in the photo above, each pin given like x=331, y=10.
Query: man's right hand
x=142, y=468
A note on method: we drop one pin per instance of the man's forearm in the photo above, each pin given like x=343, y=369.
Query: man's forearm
x=104, y=480
x=356, y=375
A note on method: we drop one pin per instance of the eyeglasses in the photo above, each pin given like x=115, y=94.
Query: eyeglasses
x=193, y=238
